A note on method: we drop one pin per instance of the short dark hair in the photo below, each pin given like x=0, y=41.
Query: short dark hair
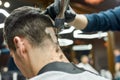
x=28, y=22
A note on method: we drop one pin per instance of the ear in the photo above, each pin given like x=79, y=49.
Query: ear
x=19, y=44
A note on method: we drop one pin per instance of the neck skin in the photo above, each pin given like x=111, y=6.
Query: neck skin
x=48, y=53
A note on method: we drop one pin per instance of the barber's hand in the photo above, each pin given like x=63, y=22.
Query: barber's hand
x=54, y=9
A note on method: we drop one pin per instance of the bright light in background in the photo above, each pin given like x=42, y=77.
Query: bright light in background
x=82, y=47
x=1, y=25
x=0, y=2
x=6, y=14
x=7, y=4
x=94, y=2
x=65, y=42
x=77, y=34
x=66, y=31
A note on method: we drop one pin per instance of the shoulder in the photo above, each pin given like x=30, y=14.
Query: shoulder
x=57, y=75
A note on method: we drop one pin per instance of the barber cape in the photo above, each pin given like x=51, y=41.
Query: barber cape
x=65, y=71
x=87, y=67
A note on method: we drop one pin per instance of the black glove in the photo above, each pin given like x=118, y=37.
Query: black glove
x=54, y=9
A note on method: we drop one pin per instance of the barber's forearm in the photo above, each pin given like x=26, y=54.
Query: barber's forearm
x=80, y=22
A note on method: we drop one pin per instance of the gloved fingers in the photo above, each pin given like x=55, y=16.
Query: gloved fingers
x=69, y=15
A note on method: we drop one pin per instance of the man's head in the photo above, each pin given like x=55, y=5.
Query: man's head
x=84, y=59
x=31, y=39
x=26, y=22
x=116, y=52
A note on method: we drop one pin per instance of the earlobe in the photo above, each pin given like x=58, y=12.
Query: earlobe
x=16, y=41
x=21, y=50
x=19, y=44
